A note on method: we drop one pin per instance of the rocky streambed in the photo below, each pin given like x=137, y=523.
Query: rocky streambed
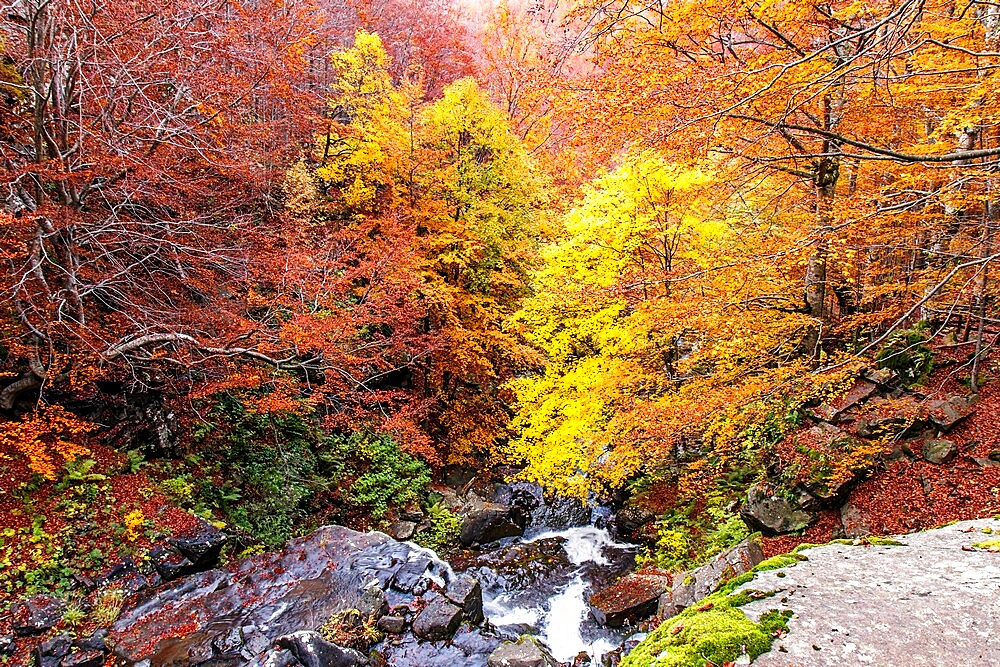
x=338, y=597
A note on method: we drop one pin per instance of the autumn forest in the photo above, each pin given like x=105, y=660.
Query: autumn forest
x=278, y=264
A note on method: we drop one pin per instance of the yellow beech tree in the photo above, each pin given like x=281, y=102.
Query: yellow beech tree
x=662, y=330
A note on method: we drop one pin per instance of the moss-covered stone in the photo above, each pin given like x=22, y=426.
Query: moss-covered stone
x=778, y=562
x=715, y=631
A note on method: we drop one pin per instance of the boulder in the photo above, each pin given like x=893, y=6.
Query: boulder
x=373, y=603
x=275, y=658
x=489, y=522
x=631, y=599
x=692, y=586
x=127, y=577
x=774, y=515
x=629, y=522
x=311, y=650
x=170, y=564
x=892, y=416
x=466, y=592
x=7, y=645
x=402, y=530
x=412, y=576
x=526, y=652
x=861, y=391
x=855, y=522
x=202, y=546
x=244, y=609
x=438, y=620
x=939, y=450
x=36, y=615
x=95, y=642
x=51, y=652
x=947, y=413
x=393, y=625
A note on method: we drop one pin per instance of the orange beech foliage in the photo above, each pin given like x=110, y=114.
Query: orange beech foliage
x=145, y=150
x=434, y=37
x=43, y=434
x=878, y=118
x=157, y=233
x=849, y=154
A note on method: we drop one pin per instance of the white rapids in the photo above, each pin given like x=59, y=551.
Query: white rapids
x=562, y=617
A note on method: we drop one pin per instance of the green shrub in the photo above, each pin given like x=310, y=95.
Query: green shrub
x=445, y=528
x=386, y=476
x=906, y=353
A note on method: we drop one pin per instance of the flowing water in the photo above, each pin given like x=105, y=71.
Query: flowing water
x=545, y=587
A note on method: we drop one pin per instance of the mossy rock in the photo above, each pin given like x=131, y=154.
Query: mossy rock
x=714, y=631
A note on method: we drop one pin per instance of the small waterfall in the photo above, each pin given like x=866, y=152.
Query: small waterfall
x=562, y=617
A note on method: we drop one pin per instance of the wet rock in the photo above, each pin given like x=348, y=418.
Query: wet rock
x=170, y=564
x=466, y=592
x=95, y=642
x=553, y=513
x=526, y=652
x=403, y=530
x=373, y=603
x=410, y=575
x=947, y=413
x=36, y=614
x=612, y=658
x=264, y=597
x=521, y=566
x=203, y=546
x=629, y=522
x=311, y=650
x=393, y=625
x=488, y=522
x=126, y=576
x=83, y=659
x=7, y=645
x=939, y=451
x=438, y=620
x=773, y=515
x=51, y=652
x=632, y=641
x=631, y=599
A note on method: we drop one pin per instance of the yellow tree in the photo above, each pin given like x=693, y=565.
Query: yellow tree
x=661, y=329
x=477, y=214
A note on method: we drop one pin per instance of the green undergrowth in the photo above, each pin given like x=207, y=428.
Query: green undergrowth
x=715, y=630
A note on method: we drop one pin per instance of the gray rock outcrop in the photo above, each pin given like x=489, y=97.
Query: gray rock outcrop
x=927, y=603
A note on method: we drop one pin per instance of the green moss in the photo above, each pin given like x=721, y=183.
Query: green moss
x=714, y=630
x=884, y=542
x=714, y=635
x=778, y=562
x=988, y=544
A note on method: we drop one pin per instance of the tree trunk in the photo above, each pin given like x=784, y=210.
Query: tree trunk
x=816, y=270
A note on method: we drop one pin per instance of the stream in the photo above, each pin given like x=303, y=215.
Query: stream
x=539, y=584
